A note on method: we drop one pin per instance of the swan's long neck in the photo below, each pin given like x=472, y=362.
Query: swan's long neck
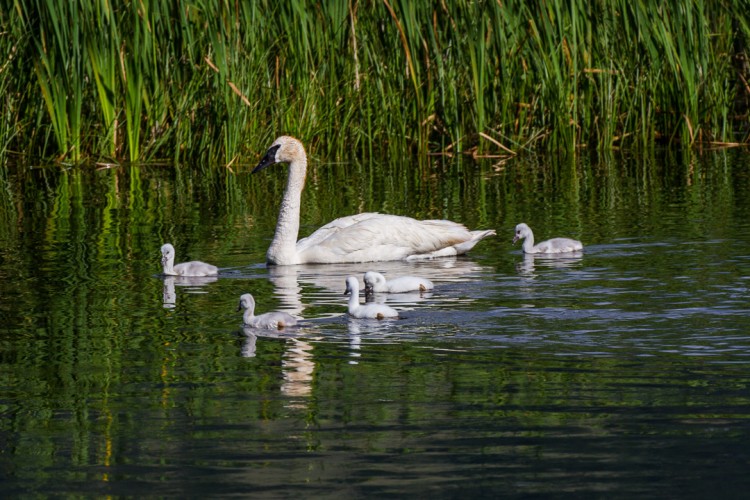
x=283, y=249
x=168, y=266
x=528, y=243
x=353, y=298
x=248, y=315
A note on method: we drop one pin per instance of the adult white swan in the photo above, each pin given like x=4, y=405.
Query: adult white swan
x=369, y=310
x=192, y=268
x=555, y=245
x=376, y=282
x=269, y=321
x=365, y=237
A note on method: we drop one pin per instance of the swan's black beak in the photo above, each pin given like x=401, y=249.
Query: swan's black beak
x=268, y=159
x=239, y=307
x=368, y=289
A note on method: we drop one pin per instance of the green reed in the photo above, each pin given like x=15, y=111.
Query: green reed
x=214, y=81
x=102, y=52
x=54, y=39
x=9, y=120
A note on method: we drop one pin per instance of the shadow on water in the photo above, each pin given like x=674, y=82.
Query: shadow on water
x=620, y=371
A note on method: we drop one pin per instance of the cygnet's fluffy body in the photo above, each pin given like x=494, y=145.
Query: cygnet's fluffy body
x=370, y=310
x=192, y=268
x=376, y=282
x=555, y=245
x=268, y=321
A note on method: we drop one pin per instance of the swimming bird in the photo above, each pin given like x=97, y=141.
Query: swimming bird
x=364, y=237
x=192, y=268
x=269, y=321
x=555, y=245
x=376, y=282
x=370, y=310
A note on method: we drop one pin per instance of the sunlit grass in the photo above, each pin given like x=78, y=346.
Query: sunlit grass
x=215, y=81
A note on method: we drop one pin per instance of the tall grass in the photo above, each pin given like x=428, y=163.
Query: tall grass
x=10, y=120
x=102, y=53
x=213, y=81
x=58, y=64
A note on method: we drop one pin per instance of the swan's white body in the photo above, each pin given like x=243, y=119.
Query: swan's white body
x=555, y=245
x=370, y=310
x=376, y=282
x=267, y=321
x=366, y=237
x=192, y=268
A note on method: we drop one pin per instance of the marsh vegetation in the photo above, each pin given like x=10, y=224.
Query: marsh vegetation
x=213, y=81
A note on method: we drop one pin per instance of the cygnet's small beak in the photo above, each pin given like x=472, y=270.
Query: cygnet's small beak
x=239, y=307
x=368, y=289
x=515, y=238
x=268, y=159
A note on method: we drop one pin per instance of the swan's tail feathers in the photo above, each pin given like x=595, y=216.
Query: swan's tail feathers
x=480, y=235
x=476, y=237
x=457, y=249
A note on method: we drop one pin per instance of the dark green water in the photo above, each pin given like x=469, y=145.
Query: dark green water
x=623, y=372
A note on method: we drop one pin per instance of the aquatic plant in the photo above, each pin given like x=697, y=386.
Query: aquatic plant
x=213, y=81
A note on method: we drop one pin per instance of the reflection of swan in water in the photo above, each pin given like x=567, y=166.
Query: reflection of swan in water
x=250, y=344
x=355, y=342
x=252, y=335
x=297, y=363
x=297, y=367
x=527, y=266
x=287, y=289
x=194, y=284
x=359, y=327
x=169, y=296
x=322, y=284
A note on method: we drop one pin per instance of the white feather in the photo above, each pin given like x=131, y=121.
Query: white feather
x=555, y=245
x=376, y=282
x=268, y=321
x=370, y=310
x=365, y=237
x=192, y=268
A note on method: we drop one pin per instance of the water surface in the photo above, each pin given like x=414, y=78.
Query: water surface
x=618, y=372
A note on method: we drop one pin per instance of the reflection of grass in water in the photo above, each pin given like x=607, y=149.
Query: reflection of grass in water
x=215, y=81
x=96, y=361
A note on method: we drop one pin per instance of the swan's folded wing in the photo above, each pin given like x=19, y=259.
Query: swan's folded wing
x=333, y=228
x=382, y=237
x=195, y=268
x=559, y=245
